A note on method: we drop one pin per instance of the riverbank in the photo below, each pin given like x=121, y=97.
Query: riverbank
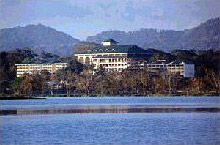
x=19, y=98
x=22, y=97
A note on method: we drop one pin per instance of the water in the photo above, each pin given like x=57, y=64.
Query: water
x=111, y=128
x=134, y=128
x=65, y=101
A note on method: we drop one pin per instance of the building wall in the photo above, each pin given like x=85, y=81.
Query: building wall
x=119, y=61
x=176, y=68
x=183, y=69
x=108, y=61
x=108, y=43
x=111, y=64
x=37, y=68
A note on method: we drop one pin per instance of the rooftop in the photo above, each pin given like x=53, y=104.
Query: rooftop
x=117, y=49
x=43, y=61
x=110, y=40
x=181, y=61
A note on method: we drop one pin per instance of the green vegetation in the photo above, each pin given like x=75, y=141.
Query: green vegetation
x=77, y=79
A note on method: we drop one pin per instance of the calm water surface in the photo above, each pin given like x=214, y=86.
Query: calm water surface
x=111, y=128
x=134, y=128
x=65, y=101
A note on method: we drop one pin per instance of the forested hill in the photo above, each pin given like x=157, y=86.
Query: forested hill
x=203, y=37
x=38, y=38
x=41, y=38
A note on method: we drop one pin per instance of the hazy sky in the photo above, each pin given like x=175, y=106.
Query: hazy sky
x=81, y=18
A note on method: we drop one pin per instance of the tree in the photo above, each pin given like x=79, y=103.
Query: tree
x=15, y=86
x=26, y=87
x=74, y=66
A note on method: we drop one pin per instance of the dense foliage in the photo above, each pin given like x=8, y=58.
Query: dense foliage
x=8, y=68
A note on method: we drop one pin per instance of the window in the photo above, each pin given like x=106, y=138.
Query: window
x=102, y=60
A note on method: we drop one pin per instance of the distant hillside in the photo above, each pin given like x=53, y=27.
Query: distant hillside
x=37, y=37
x=205, y=36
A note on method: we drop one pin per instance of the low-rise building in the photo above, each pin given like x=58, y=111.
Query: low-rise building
x=38, y=68
x=183, y=68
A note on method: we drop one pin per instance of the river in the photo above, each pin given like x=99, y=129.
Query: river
x=111, y=128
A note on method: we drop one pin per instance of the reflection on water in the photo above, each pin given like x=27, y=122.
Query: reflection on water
x=64, y=101
x=134, y=128
x=110, y=105
x=110, y=109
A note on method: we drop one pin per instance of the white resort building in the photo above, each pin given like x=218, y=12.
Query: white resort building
x=38, y=68
x=113, y=57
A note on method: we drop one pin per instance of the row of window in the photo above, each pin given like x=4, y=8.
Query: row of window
x=22, y=67
x=112, y=65
x=165, y=67
x=114, y=69
x=39, y=67
x=99, y=55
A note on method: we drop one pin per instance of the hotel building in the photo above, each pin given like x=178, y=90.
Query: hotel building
x=38, y=68
x=113, y=57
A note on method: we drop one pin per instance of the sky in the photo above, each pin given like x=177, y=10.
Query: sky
x=82, y=18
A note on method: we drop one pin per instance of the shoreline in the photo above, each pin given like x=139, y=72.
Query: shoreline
x=100, y=96
x=20, y=98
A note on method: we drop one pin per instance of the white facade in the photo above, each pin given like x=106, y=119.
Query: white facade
x=109, y=43
x=37, y=68
x=106, y=58
x=119, y=61
x=106, y=43
x=183, y=69
x=108, y=61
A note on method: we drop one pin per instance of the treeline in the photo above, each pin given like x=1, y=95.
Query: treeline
x=78, y=79
x=113, y=83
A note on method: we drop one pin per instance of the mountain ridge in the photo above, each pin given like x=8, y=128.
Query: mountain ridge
x=38, y=37
x=44, y=38
x=203, y=37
